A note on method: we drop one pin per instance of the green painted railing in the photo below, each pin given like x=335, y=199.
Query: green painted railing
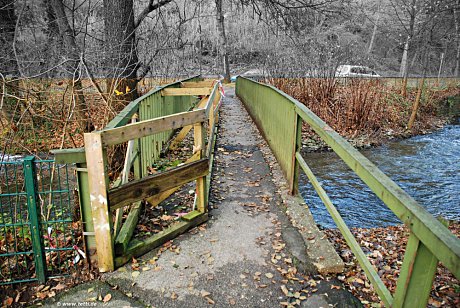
x=148, y=106
x=160, y=112
x=280, y=118
x=37, y=229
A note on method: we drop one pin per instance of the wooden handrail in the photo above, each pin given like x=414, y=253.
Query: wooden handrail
x=150, y=127
x=430, y=240
x=140, y=189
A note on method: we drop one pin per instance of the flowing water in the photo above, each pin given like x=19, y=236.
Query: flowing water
x=427, y=167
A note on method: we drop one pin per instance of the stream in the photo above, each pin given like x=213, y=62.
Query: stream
x=427, y=167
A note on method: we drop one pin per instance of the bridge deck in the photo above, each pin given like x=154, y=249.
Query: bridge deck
x=241, y=254
x=245, y=255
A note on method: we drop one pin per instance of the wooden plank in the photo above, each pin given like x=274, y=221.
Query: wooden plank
x=138, y=248
x=140, y=189
x=127, y=230
x=157, y=199
x=150, y=127
x=199, y=144
x=198, y=84
x=192, y=215
x=211, y=140
x=371, y=274
x=98, y=187
x=211, y=99
x=69, y=156
x=417, y=274
x=124, y=116
x=185, y=91
x=124, y=180
x=296, y=147
x=85, y=208
x=185, y=130
x=211, y=161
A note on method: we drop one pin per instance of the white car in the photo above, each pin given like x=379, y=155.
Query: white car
x=355, y=71
x=255, y=73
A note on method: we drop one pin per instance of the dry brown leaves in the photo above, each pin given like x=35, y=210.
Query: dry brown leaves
x=385, y=248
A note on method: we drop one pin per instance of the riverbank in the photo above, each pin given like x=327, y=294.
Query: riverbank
x=385, y=248
x=368, y=113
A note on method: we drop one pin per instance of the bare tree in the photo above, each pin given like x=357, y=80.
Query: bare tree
x=222, y=40
x=457, y=38
x=8, y=63
x=72, y=53
x=121, y=46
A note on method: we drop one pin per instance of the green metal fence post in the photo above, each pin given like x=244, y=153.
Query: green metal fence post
x=39, y=253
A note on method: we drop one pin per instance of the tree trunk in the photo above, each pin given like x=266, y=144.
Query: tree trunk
x=121, y=62
x=418, y=98
x=54, y=45
x=222, y=41
x=404, y=71
x=457, y=32
x=374, y=31
x=73, y=57
x=8, y=19
x=8, y=63
x=404, y=62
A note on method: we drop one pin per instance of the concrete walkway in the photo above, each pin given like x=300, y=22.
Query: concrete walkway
x=247, y=255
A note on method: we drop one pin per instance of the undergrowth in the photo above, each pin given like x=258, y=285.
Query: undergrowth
x=366, y=107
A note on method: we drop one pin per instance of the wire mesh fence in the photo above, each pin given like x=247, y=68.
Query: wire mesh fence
x=39, y=225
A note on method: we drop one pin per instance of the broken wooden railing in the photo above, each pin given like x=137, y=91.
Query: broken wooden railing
x=280, y=118
x=146, y=125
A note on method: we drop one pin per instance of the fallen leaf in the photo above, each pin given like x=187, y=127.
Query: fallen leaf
x=210, y=301
x=107, y=298
x=60, y=286
x=204, y=293
x=8, y=301
x=284, y=304
x=135, y=274
x=285, y=290
x=41, y=295
x=174, y=295
x=269, y=275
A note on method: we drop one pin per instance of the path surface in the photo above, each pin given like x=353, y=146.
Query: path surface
x=239, y=258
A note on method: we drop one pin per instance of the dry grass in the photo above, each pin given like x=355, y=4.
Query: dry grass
x=363, y=107
x=42, y=115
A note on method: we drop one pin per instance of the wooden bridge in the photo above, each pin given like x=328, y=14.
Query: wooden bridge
x=146, y=127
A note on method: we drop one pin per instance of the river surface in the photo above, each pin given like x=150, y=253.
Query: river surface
x=427, y=167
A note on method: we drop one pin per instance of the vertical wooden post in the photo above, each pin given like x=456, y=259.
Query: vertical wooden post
x=218, y=98
x=98, y=188
x=296, y=147
x=199, y=146
x=85, y=209
x=416, y=104
x=417, y=274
